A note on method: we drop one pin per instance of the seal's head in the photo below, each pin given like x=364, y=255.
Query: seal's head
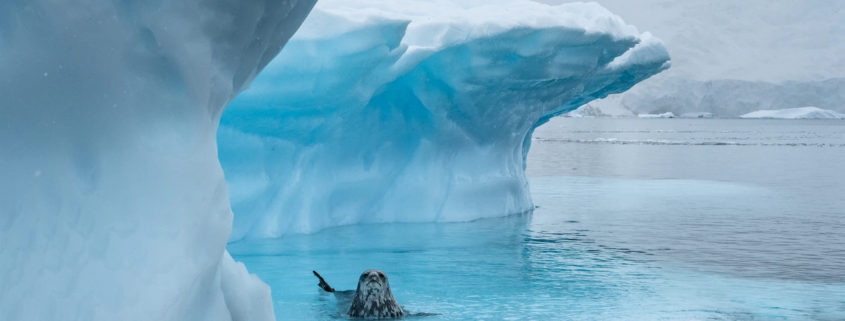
x=373, y=281
x=373, y=299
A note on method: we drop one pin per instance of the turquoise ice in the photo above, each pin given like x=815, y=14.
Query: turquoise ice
x=415, y=111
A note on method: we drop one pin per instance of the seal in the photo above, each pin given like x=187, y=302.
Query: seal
x=372, y=299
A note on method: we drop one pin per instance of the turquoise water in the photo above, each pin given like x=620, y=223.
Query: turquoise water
x=668, y=229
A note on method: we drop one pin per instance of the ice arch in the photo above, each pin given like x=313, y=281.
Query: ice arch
x=411, y=111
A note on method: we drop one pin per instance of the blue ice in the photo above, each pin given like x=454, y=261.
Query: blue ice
x=415, y=111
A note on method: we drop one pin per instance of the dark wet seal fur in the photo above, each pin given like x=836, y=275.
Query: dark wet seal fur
x=373, y=298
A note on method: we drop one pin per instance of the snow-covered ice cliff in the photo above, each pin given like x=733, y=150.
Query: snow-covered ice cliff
x=795, y=113
x=113, y=205
x=385, y=111
x=734, y=57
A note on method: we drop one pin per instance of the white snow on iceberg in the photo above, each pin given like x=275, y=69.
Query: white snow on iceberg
x=113, y=205
x=663, y=115
x=697, y=115
x=586, y=111
x=795, y=113
x=383, y=111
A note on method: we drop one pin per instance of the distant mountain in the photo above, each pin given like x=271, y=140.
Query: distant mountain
x=734, y=57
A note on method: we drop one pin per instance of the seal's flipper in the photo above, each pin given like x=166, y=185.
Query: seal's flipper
x=323, y=285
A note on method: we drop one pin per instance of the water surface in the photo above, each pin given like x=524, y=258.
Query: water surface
x=637, y=219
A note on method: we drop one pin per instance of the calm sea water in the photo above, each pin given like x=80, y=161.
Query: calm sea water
x=637, y=219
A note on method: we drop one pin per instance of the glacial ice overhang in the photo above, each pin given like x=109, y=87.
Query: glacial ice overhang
x=113, y=205
x=415, y=111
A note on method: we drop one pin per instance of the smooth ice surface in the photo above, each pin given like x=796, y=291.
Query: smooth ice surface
x=796, y=113
x=622, y=232
x=734, y=57
x=415, y=111
x=113, y=205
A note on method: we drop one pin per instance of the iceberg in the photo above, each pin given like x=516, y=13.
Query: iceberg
x=697, y=115
x=416, y=111
x=586, y=111
x=113, y=204
x=663, y=115
x=795, y=113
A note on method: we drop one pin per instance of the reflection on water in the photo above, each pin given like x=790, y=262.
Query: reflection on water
x=549, y=265
x=773, y=209
x=622, y=232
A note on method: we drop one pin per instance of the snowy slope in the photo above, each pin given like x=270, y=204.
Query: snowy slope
x=795, y=113
x=382, y=111
x=113, y=205
x=734, y=57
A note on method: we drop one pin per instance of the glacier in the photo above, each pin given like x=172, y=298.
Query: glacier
x=415, y=111
x=731, y=97
x=113, y=204
x=795, y=113
x=730, y=58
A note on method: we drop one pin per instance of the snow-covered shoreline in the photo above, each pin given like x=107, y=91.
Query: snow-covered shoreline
x=794, y=113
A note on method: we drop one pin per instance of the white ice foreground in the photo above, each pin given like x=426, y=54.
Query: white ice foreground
x=796, y=113
x=416, y=111
x=113, y=205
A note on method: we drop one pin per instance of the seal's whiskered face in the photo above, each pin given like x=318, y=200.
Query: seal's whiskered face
x=373, y=299
x=373, y=280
